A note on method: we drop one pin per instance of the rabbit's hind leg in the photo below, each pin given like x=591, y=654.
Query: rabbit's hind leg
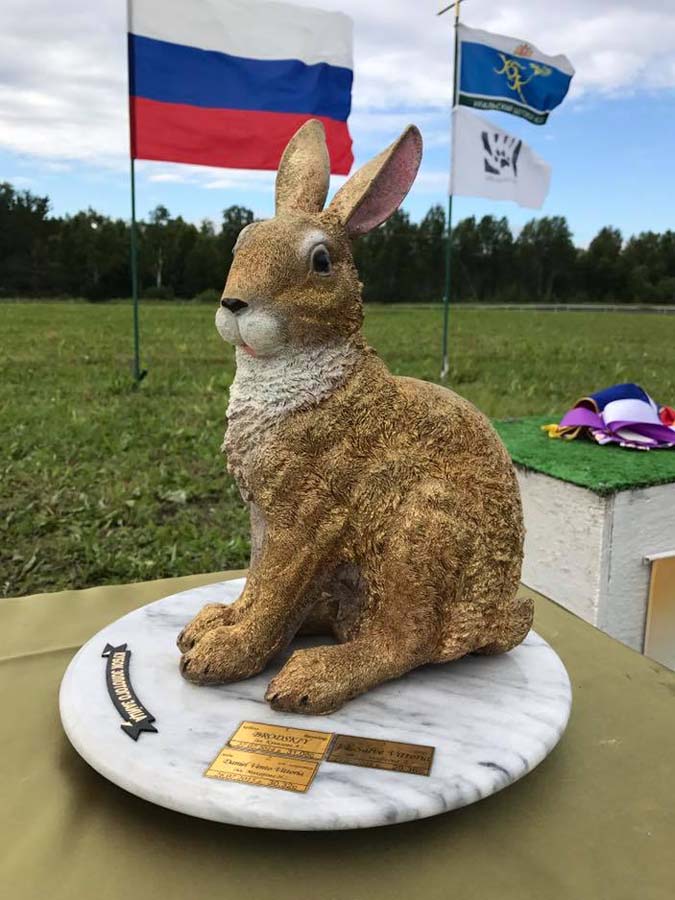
x=398, y=629
x=490, y=602
x=320, y=679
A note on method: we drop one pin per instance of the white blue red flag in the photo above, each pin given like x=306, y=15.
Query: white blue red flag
x=228, y=82
x=510, y=75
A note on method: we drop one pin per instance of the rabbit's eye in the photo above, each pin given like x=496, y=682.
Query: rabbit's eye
x=321, y=260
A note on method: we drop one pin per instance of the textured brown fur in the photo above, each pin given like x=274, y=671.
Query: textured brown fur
x=386, y=513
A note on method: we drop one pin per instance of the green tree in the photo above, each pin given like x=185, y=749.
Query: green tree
x=646, y=266
x=494, y=266
x=234, y=219
x=466, y=251
x=172, y=247
x=547, y=259
x=483, y=258
x=430, y=253
x=665, y=286
x=25, y=230
x=387, y=262
x=91, y=256
x=204, y=266
x=155, y=240
x=602, y=266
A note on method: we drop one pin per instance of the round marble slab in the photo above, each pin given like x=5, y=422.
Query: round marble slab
x=491, y=720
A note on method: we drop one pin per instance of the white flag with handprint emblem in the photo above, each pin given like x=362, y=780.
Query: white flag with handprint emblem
x=489, y=162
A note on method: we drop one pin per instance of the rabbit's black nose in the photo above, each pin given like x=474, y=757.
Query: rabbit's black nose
x=233, y=304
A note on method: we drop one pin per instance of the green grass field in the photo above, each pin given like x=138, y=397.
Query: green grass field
x=102, y=484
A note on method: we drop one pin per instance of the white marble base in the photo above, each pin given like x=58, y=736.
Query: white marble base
x=491, y=720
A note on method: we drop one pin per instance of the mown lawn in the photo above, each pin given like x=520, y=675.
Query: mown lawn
x=102, y=484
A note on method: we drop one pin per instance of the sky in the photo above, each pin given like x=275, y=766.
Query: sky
x=611, y=145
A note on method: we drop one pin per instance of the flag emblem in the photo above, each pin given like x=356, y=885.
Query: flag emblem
x=524, y=49
x=501, y=154
x=519, y=75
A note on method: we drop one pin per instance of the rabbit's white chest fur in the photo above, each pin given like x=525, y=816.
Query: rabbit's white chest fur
x=266, y=390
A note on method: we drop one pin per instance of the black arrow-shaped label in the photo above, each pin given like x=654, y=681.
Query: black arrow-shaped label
x=135, y=715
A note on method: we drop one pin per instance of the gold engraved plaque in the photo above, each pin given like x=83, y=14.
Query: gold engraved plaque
x=299, y=743
x=414, y=759
x=259, y=768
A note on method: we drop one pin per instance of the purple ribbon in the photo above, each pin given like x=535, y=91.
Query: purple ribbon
x=580, y=417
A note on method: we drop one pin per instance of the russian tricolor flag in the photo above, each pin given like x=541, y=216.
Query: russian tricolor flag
x=228, y=82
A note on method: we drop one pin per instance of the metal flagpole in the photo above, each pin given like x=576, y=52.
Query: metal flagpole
x=139, y=374
x=445, y=364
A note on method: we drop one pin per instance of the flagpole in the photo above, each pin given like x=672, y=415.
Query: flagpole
x=138, y=373
x=445, y=362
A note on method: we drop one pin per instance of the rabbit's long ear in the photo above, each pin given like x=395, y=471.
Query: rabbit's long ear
x=304, y=171
x=378, y=189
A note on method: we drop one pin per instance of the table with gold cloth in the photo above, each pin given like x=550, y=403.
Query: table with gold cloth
x=595, y=821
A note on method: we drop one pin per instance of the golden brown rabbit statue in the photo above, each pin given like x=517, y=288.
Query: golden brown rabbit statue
x=384, y=510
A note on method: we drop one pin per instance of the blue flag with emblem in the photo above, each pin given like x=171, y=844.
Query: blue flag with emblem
x=510, y=75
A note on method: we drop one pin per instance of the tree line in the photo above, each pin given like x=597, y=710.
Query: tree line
x=87, y=255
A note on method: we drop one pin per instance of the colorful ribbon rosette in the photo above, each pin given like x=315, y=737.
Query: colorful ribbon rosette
x=623, y=414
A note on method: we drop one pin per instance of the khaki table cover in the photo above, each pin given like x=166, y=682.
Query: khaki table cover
x=594, y=820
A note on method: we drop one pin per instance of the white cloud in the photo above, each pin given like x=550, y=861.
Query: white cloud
x=63, y=80
x=63, y=71
x=205, y=176
x=173, y=177
x=22, y=181
x=245, y=179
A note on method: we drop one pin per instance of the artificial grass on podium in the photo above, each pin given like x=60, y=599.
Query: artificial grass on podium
x=604, y=469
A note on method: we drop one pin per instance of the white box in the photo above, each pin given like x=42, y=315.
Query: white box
x=587, y=551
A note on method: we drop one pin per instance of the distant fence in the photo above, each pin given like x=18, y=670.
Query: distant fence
x=540, y=307
x=574, y=307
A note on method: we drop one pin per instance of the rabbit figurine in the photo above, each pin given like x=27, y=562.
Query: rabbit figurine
x=385, y=510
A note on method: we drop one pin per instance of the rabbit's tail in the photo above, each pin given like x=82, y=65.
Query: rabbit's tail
x=486, y=614
x=514, y=621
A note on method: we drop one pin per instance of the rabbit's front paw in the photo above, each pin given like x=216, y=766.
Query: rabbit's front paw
x=306, y=684
x=223, y=654
x=210, y=616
